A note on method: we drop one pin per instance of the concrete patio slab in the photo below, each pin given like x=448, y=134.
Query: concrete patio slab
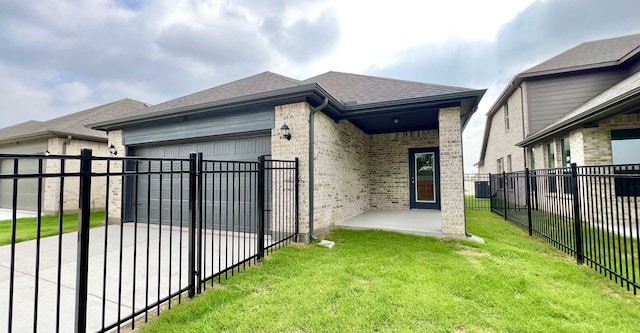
x=421, y=222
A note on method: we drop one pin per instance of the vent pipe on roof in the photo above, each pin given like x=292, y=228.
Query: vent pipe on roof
x=311, y=164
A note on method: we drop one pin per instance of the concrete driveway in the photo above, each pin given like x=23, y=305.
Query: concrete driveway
x=7, y=214
x=159, y=256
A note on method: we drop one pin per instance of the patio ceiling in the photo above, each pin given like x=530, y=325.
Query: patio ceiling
x=415, y=120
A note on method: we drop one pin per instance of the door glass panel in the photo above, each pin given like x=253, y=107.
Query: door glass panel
x=425, y=182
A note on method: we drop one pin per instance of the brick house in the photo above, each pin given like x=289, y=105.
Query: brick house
x=375, y=143
x=581, y=106
x=65, y=135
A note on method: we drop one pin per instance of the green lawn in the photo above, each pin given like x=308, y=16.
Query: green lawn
x=388, y=282
x=26, y=228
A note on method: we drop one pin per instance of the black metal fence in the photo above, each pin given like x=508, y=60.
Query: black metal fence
x=476, y=191
x=186, y=223
x=589, y=212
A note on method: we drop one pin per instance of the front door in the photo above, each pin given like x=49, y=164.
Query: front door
x=424, y=174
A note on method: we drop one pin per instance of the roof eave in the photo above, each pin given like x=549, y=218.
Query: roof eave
x=302, y=92
x=363, y=110
x=48, y=134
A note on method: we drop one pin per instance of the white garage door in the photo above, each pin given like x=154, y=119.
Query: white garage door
x=229, y=197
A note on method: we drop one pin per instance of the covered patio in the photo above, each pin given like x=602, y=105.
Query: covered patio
x=422, y=222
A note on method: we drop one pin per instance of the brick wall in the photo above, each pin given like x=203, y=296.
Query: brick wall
x=342, y=165
x=451, y=172
x=389, y=172
x=51, y=198
x=502, y=142
x=296, y=116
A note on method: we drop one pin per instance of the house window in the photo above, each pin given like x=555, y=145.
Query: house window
x=508, y=163
x=506, y=117
x=566, y=152
x=551, y=155
x=624, y=150
x=624, y=146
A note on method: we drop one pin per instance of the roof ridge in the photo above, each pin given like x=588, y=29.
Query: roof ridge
x=390, y=79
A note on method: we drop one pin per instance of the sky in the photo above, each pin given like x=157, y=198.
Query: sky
x=58, y=57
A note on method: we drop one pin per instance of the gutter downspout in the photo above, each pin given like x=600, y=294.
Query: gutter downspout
x=311, y=163
x=65, y=143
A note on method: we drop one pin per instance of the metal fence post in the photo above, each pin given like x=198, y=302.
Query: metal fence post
x=297, y=198
x=82, y=267
x=199, y=196
x=490, y=194
x=192, y=225
x=527, y=186
x=577, y=221
x=260, y=224
x=504, y=194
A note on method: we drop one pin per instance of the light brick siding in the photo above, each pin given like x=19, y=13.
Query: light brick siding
x=502, y=142
x=115, y=183
x=51, y=198
x=451, y=172
x=296, y=116
x=342, y=165
x=389, y=176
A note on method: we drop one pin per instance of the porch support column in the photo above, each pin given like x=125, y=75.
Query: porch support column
x=451, y=172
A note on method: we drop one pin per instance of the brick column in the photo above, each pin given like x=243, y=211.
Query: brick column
x=115, y=183
x=296, y=116
x=451, y=172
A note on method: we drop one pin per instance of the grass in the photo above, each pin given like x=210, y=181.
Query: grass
x=472, y=203
x=26, y=228
x=388, y=282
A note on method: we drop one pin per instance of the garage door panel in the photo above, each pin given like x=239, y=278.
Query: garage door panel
x=229, y=199
x=27, y=193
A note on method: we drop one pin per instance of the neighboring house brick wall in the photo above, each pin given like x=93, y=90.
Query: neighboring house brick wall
x=389, y=167
x=502, y=142
x=451, y=172
x=51, y=199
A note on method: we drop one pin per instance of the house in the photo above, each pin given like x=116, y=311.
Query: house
x=375, y=143
x=581, y=106
x=65, y=135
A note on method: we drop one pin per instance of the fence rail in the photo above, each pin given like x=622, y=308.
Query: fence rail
x=476, y=191
x=181, y=224
x=589, y=212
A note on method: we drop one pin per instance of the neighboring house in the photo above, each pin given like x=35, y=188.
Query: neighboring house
x=65, y=135
x=380, y=144
x=581, y=106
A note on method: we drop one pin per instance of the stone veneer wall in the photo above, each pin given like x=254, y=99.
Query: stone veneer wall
x=389, y=171
x=51, y=197
x=451, y=172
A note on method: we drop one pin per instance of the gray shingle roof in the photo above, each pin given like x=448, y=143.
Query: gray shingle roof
x=74, y=124
x=258, y=83
x=364, y=89
x=591, y=53
x=344, y=87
